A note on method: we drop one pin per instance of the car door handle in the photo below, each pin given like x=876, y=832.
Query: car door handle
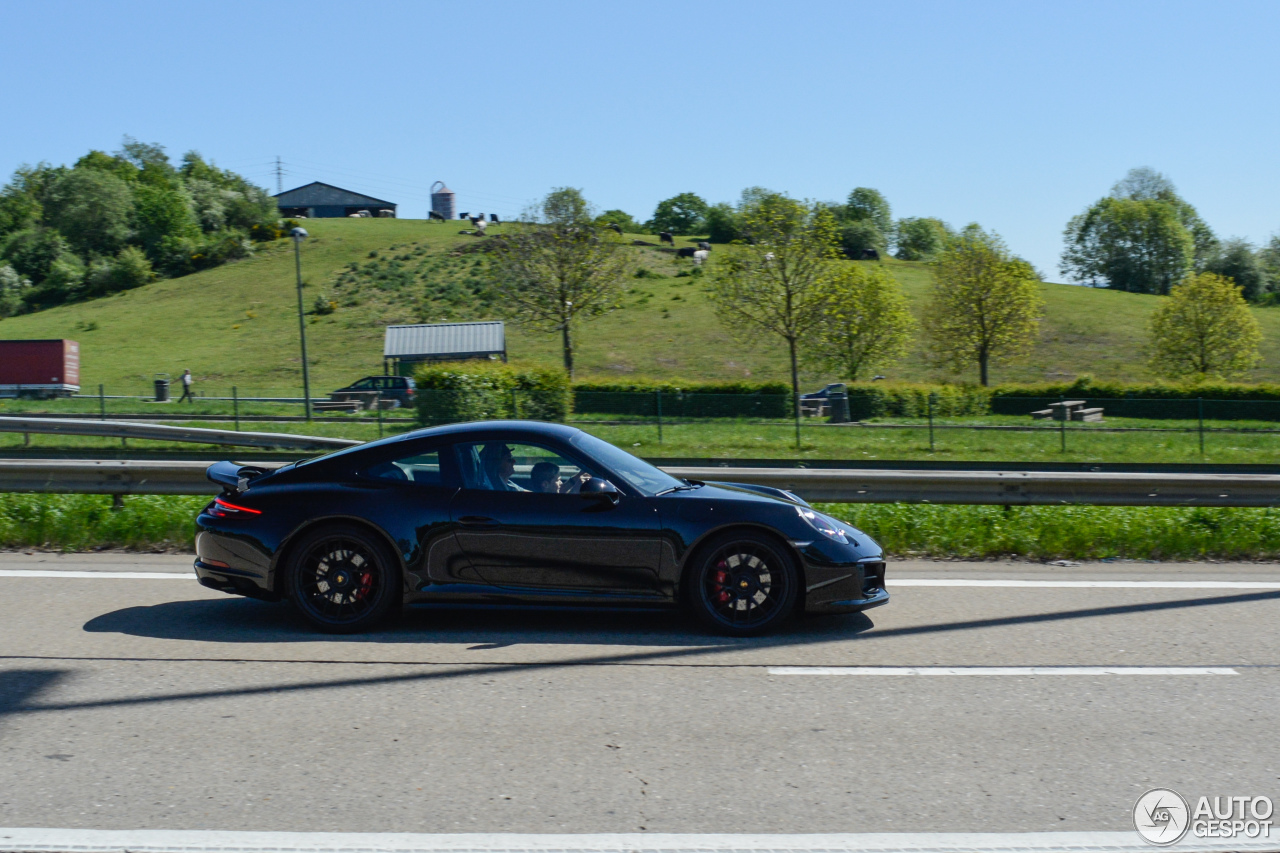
x=477, y=521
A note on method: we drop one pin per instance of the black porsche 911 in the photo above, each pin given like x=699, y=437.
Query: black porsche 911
x=519, y=512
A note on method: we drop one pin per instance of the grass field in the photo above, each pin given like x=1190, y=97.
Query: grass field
x=88, y=522
x=237, y=325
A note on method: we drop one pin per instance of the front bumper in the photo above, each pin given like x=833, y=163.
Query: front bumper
x=845, y=588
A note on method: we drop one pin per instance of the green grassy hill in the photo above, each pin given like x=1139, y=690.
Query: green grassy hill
x=238, y=324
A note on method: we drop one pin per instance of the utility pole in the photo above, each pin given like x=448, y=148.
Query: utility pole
x=279, y=176
x=298, y=235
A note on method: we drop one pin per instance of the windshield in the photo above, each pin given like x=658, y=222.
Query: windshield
x=640, y=475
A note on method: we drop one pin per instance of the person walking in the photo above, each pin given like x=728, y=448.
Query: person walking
x=186, y=387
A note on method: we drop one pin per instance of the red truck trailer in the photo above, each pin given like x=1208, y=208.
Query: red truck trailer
x=39, y=368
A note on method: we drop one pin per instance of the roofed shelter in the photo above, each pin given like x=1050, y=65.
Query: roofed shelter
x=408, y=346
x=325, y=201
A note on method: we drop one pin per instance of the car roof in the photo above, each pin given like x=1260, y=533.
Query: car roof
x=488, y=429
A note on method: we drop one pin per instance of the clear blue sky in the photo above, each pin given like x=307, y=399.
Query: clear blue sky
x=1016, y=115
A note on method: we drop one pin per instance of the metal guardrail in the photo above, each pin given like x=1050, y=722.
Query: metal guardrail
x=159, y=432
x=1014, y=488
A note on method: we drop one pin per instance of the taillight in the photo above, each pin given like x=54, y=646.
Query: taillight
x=226, y=509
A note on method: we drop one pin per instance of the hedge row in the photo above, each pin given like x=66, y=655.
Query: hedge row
x=909, y=400
x=476, y=391
x=1215, y=401
x=1085, y=387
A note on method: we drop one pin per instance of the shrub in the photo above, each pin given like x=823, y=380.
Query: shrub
x=684, y=399
x=485, y=390
x=910, y=400
x=1222, y=400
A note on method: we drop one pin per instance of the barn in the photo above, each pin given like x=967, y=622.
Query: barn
x=408, y=346
x=320, y=201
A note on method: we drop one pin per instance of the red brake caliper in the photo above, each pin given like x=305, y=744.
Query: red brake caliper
x=366, y=583
x=722, y=577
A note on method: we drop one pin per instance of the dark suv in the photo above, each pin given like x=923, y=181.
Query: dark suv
x=388, y=387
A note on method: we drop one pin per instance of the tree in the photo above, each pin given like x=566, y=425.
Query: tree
x=921, y=239
x=91, y=208
x=868, y=204
x=772, y=283
x=1134, y=245
x=623, y=220
x=1238, y=261
x=1204, y=329
x=866, y=322
x=558, y=267
x=682, y=214
x=984, y=306
x=159, y=212
x=859, y=236
x=1146, y=184
x=724, y=224
x=1269, y=256
x=13, y=288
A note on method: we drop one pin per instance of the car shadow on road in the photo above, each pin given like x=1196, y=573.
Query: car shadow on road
x=234, y=620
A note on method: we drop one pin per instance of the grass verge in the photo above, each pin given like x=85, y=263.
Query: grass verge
x=88, y=522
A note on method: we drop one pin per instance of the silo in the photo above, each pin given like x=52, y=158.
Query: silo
x=442, y=200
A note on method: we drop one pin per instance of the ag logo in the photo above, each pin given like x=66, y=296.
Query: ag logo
x=1161, y=816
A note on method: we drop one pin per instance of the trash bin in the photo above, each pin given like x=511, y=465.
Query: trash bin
x=838, y=407
x=162, y=387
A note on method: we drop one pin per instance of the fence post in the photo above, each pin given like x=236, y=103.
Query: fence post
x=1200, y=417
x=102, y=403
x=235, y=405
x=796, y=406
x=378, y=403
x=515, y=405
x=932, y=396
x=658, y=396
x=1062, y=429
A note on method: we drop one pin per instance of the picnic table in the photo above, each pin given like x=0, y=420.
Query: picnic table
x=1069, y=410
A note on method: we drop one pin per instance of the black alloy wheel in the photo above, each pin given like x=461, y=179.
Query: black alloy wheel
x=342, y=579
x=743, y=585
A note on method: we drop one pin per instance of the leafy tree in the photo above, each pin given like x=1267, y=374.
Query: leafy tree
x=682, y=214
x=127, y=270
x=773, y=282
x=1269, y=257
x=91, y=208
x=984, y=306
x=1204, y=329
x=623, y=220
x=868, y=204
x=724, y=224
x=921, y=239
x=1138, y=246
x=558, y=268
x=866, y=322
x=13, y=289
x=161, y=211
x=859, y=236
x=1238, y=261
x=1146, y=184
x=33, y=251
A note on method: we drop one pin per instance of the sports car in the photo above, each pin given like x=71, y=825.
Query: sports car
x=521, y=512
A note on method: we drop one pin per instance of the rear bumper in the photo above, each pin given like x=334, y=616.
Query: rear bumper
x=232, y=581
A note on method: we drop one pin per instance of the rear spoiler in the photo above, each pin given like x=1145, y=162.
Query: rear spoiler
x=766, y=490
x=233, y=477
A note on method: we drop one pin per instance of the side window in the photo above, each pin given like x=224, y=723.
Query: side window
x=363, y=384
x=507, y=466
x=422, y=468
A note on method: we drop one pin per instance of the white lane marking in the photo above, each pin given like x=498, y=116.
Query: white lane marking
x=215, y=841
x=1002, y=670
x=32, y=573
x=891, y=581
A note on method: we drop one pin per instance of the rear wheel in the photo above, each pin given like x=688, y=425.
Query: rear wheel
x=742, y=584
x=342, y=579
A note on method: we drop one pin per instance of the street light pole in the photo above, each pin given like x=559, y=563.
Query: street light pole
x=298, y=235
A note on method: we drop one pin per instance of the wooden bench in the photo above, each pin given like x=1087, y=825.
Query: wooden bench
x=336, y=406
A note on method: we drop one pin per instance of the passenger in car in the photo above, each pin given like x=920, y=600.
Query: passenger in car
x=545, y=477
x=499, y=465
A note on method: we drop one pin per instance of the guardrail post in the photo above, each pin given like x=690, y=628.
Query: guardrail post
x=932, y=396
x=1200, y=416
x=235, y=405
x=658, y=399
x=378, y=403
x=102, y=403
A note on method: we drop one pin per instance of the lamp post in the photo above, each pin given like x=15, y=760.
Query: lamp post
x=298, y=235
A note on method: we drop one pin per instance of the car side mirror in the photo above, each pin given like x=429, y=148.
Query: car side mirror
x=600, y=489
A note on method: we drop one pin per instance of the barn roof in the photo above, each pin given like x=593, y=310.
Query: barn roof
x=445, y=340
x=317, y=194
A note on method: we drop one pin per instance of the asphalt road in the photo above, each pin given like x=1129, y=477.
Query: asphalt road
x=151, y=703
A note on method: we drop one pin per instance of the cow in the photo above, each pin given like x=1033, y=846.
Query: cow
x=870, y=255
x=666, y=237
x=464, y=215
x=435, y=214
x=615, y=227
x=493, y=217
x=686, y=252
x=386, y=214
x=704, y=245
x=700, y=256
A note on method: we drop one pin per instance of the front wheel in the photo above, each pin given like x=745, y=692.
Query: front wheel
x=342, y=579
x=742, y=584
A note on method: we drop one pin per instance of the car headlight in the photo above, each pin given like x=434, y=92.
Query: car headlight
x=828, y=527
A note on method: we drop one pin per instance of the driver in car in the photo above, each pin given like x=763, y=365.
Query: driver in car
x=499, y=465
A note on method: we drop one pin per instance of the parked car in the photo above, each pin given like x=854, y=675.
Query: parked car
x=520, y=512
x=825, y=393
x=400, y=388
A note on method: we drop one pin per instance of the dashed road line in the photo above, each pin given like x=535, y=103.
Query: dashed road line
x=1002, y=670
